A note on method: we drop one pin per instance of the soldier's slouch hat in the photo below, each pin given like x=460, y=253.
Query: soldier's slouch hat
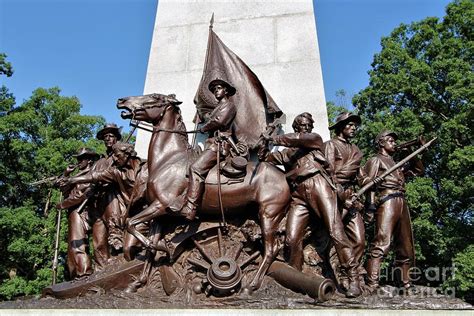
x=110, y=128
x=86, y=152
x=230, y=89
x=344, y=118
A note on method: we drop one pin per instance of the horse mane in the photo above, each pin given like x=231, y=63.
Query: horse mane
x=167, y=100
x=181, y=126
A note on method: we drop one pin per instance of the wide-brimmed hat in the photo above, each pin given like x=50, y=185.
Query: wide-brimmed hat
x=110, y=128
x=230, y=89
x=384, y=133
x=344, y=118
x=86, y=152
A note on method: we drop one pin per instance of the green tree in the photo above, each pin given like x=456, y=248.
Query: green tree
x=37, y=140
x=421, y=82
x=335, y=107
x=5, y=67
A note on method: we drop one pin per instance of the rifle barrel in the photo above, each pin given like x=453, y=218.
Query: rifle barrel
x=396, y=166
x=45, y=180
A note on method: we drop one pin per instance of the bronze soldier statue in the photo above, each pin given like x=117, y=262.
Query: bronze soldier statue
x=219, y=126
x=124, y=173
x=107, y=195
x=344, y=162
x=313, y=191
x=392, y=217
x=80, y=216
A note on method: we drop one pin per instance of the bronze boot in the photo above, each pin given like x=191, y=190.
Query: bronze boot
x=373, y=272
x=353, y=289
x=405, y=280
x=196, y=186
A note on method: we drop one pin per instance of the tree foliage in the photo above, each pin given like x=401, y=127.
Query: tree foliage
x=37, y=140
x=421, y=82
x=5, y=67
x=463, y=278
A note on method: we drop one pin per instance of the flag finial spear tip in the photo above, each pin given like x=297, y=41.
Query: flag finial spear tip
x=212, y=21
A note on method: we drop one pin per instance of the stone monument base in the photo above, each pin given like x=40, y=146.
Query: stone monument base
x=270, y=296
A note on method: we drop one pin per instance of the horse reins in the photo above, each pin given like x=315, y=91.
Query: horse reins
x=219, y=192
x=159, y=129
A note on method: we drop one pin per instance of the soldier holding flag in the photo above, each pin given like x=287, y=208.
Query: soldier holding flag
x=218, y=124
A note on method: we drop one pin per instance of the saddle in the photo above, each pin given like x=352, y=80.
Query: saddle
x=233, y=170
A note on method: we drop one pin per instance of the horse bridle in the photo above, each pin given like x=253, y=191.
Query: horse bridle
x=162, y=114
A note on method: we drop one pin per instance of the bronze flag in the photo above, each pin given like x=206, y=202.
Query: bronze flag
x=255, y=107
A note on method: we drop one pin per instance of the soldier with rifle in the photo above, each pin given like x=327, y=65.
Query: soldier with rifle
x=125, y=172
x=313, y=192
x=344, y=160
x=107, y=203
x=390, y=209
x=105, y=213
x=80, y=215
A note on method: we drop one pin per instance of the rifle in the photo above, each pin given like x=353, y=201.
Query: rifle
x=366, y=187
x=420, y=140
x=45, y=180
x=395, y=167
x=53, y=178
x=56, y=244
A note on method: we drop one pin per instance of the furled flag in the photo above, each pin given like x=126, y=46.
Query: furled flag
x=255, y=107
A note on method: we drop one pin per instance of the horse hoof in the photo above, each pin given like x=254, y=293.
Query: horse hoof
x=133, y=287
x=198, y=288
x=247, y=291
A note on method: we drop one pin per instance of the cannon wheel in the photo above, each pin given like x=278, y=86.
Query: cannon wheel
x=216, y=260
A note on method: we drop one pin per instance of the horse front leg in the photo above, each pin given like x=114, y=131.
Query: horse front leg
x=269, y=221
x=154, y=210
x=155, y=233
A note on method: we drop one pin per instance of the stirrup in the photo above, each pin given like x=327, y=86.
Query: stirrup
x=189, y=211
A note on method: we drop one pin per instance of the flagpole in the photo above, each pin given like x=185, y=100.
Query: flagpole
x=196, y=116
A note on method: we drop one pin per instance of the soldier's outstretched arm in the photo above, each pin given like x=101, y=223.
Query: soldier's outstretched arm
x=106, y=176
x=276, y=158
x=300, y=140
x=87, y=178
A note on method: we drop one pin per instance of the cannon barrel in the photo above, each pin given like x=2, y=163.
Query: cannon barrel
x=317, y=287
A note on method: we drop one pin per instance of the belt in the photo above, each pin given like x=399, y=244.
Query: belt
x=390, y=196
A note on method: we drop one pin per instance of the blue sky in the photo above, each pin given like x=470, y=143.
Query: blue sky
x=98, y=50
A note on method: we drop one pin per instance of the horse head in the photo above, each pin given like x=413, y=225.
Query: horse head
x=149, y=108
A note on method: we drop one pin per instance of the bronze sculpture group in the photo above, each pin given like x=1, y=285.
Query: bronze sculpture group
x=130, y=206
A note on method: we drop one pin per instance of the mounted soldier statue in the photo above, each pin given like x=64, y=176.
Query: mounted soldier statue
x=263, y=187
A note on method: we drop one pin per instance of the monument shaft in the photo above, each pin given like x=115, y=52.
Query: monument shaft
x=276, y=39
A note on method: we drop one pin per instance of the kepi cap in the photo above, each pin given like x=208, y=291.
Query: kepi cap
x=384, y=133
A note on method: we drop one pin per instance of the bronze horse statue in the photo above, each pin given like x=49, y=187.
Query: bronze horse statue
x=264, y=186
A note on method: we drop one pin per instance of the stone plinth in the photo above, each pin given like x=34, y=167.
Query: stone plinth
x=276, y=39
